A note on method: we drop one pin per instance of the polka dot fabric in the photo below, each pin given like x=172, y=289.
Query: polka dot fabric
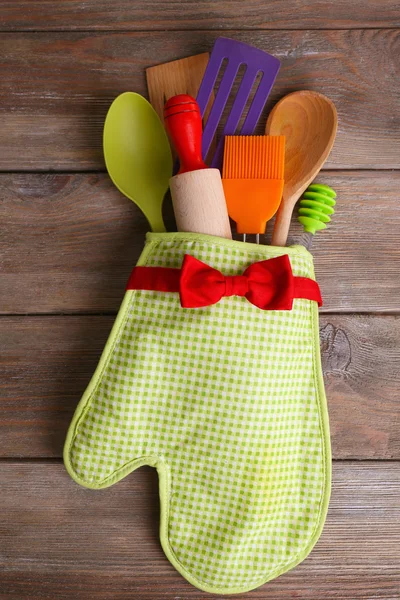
x=227, y=402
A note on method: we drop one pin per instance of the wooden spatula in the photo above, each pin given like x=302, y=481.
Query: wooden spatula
x=308, y=120
x=182, y=76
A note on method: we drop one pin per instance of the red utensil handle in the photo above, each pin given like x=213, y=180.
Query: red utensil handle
x=184, y=126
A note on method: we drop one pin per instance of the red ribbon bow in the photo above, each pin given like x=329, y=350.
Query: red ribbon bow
x=268, y=284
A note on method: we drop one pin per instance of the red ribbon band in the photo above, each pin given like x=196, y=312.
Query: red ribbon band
x=268, y=284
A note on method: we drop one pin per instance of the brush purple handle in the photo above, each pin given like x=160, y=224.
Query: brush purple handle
x=237, y=54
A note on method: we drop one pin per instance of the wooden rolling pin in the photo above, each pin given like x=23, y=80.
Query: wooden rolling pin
x=197, y=193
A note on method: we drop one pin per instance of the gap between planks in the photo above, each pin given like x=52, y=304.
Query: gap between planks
x=331, y=313
x=223, y=32
x=101, y=171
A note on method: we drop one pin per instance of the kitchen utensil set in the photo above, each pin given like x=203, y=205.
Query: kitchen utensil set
x=261, y=174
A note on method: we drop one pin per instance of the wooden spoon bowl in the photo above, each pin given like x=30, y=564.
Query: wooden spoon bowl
x=308, y=120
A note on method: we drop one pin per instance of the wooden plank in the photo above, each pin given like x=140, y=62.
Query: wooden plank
x=62, y=541
x=55, y=88
x=360, y=358
x=75, y=233
x=47, y=363
x=69, y=242
x=155, y=15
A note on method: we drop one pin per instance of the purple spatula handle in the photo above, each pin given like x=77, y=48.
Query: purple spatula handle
x=255, y=61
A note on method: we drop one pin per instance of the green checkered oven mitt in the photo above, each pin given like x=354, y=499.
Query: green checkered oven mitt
x=217, y=383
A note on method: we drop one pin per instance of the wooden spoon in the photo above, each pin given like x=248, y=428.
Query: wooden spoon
x=308, y=120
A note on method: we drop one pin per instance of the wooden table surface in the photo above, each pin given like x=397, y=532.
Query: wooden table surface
x=69, y=240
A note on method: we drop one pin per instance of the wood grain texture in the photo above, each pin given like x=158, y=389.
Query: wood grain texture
x=177, y=77
x=47, y=362
x=55, y=89
x=199, y=203
x=79, y=229
x=181, y=76
x=68, y=243
x=197, y=14
x=63, y=541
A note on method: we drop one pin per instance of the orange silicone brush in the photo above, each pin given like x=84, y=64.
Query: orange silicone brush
x=252, y=177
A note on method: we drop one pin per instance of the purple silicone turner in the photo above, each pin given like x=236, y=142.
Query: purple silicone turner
x=237, y=54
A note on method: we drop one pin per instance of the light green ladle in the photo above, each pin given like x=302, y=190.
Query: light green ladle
x=137, y=154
